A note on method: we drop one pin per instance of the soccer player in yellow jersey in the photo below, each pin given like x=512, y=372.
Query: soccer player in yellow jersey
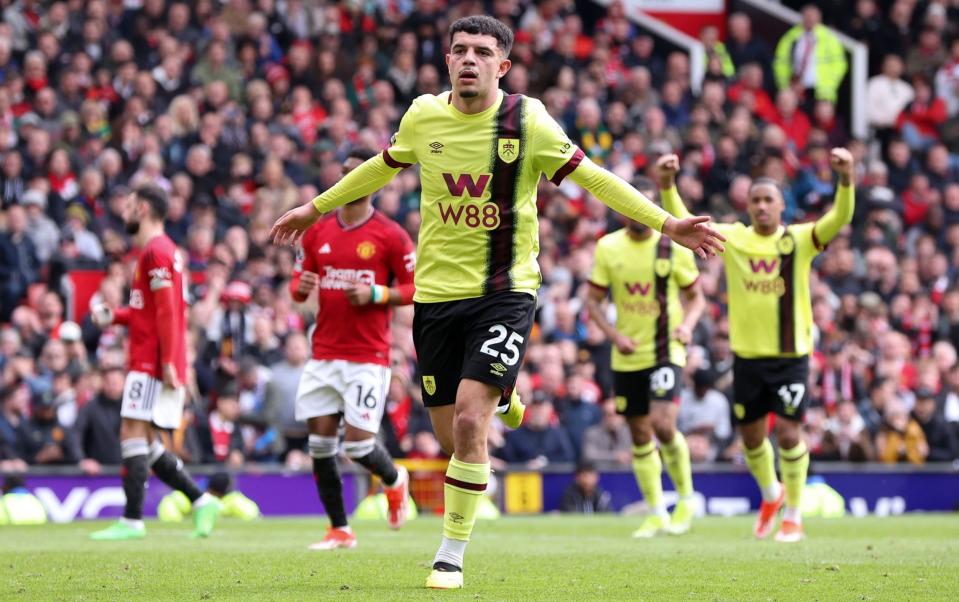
x=646, y=273
x=480, y=154
x=770, y=317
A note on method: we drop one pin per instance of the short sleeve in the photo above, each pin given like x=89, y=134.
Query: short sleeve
x=684, y=266
x=403, y=256
x=554, y=154
x=600, y=277
x=400, y=153
x=805, y=237
x=159, y=267
x=306, y=262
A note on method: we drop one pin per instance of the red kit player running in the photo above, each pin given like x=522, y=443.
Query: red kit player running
x=153, y=395
x=352, y=254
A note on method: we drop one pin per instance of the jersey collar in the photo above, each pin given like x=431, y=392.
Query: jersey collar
x=347, y=227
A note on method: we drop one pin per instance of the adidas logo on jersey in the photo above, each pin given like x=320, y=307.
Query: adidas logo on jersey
x=325, y=249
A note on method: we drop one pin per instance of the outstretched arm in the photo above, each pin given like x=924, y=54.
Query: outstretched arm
x=366, y=179
x=829, y=225
x=691, y=232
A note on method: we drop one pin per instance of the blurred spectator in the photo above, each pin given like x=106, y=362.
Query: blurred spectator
x=97, y=429
x=15, y=445
x=846, y=437
x=704, y=413
x=941, y=439
x=280, y=395
x=900, y=438
x=219, y=433
x=19, y=262
x=810, y=60
x=889, y=94
x=578, y=411
x=538, y=442
x=608, y=442
x=49, y=441
x=920, y=120
x=584, y=495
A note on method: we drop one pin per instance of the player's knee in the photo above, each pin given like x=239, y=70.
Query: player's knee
x=322, y=447
x=664, y=429
x=359, y=449
x=642, y=433
x=466, y=422
x=787, y=434
x=132, y=429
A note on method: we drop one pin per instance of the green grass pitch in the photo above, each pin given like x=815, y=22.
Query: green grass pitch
x=539, y=558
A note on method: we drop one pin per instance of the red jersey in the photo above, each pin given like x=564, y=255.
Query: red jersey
x=372, y=252
x=156, y=316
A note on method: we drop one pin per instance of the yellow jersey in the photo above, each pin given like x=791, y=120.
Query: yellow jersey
x=767, y=278
x=644, y=278
x=479, y=175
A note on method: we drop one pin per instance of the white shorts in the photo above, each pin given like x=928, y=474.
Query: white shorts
x=330, y=387
x=145, y=398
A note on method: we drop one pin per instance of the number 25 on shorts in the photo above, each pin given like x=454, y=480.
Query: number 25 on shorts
x=510, y=354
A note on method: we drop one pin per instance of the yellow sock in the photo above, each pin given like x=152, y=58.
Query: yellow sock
x=648, y=469
x=676, y=457
x=465, y=483
x=762, y=466
x=794, y=466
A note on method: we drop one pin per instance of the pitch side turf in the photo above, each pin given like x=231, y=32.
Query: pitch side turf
x=543, y=558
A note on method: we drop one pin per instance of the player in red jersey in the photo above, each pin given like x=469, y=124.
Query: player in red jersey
x=352, y=254
x=153, y=395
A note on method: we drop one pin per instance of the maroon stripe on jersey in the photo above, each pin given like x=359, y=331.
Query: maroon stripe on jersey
x=464, y=485
x=393, y=162
x=663, y=252
x=568, y=167
x=499, y=260
x=787, y=302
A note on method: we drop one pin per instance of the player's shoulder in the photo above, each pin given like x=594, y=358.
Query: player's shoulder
x=388, y=226
x=429, y=102
x=158, y=249
x=612, y=239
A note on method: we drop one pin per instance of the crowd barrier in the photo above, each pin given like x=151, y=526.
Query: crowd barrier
x=720, y=489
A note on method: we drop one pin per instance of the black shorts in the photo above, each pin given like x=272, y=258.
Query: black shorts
x=634, y=390
x=764, y=385
x=482, y=339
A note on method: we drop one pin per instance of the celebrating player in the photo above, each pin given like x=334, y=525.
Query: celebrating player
x=352, y=254
x=770, y=316
x=153, y=395
x=644, y=273
x=481, y=153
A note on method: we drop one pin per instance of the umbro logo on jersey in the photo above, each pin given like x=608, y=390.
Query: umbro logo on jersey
x=437, y=148
x=325, y=249
x=497, y=369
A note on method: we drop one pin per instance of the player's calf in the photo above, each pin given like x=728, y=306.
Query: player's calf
x=328, y=484
x=374, y=457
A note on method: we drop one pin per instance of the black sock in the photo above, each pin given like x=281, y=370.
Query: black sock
x=169, y=469
x=135, y=473
x=330, y=487
x=379, y=463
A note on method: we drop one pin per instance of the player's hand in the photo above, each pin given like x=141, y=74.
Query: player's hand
x=694, y=233
x=290, y=227
x=843, y=164
x=667, y=167
x=101, y=315
x=170, y=378
x=359, y=294
x=624, y=344
x=683, y=334
x=89, y=466
x=308, y=282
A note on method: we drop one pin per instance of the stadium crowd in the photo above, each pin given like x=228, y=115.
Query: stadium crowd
x=242, y=109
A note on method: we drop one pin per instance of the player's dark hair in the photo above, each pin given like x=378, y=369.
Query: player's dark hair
x=156, y=198
x=766, y=181
x=362, y=153
x=486, y=26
